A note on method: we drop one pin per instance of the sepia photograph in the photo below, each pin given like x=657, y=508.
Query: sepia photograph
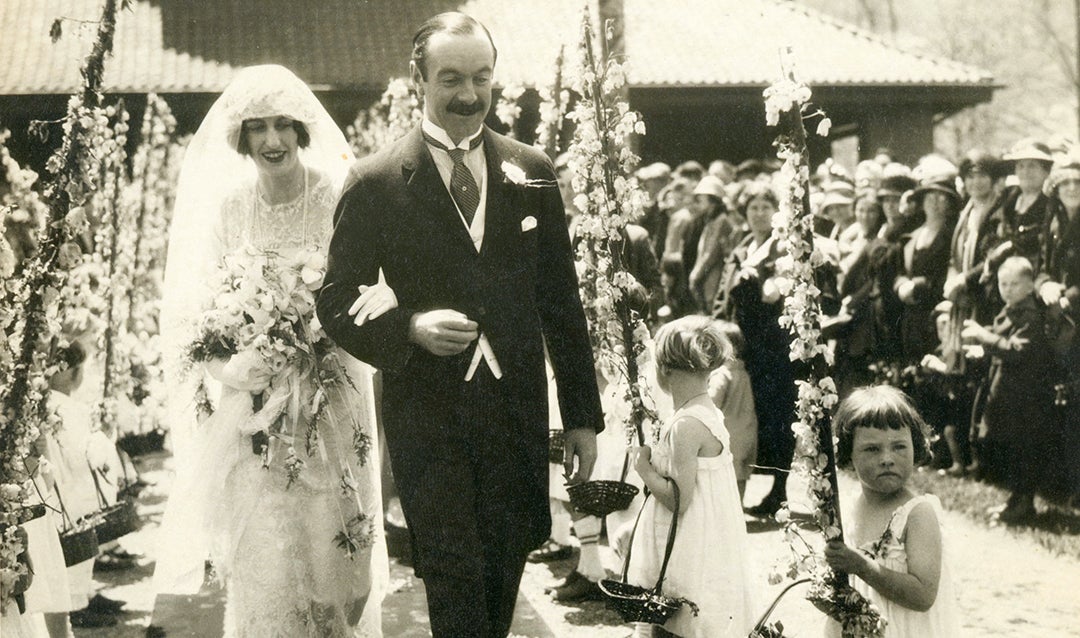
x=539, y=318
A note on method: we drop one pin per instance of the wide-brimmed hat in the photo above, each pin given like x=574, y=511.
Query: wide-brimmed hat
x=935, y=173
x=838, y=192
x=1065, y=168
x=656, y=170
x=946, y=186
x=710, y=185
x=895, y=186
x=868, y=174
x=980, y=161
x=1029, y=149
x=749, y=169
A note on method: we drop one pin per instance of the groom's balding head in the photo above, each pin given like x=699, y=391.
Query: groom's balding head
x=453, y=23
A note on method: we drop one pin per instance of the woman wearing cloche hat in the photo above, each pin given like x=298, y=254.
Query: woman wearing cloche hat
x=1024, y=208
x=924, y=259
x=974, y=237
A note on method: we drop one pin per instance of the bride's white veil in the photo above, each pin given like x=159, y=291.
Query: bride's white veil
x=213, y=169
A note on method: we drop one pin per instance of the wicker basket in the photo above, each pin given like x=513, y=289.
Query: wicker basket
x=119, y=519
x=600, y=498
x=79, y=545
x=142, y=443
x=639, y=604
x=765, y=630
x=556, y=445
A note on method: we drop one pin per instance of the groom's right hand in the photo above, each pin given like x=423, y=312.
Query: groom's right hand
x=442, y=332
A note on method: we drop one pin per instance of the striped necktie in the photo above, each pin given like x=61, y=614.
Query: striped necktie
x=463, y=186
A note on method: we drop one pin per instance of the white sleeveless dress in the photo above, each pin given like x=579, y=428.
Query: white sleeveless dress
x=942, y=619
x=709, y=563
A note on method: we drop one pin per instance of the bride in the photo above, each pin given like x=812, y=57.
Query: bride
x=294, y=531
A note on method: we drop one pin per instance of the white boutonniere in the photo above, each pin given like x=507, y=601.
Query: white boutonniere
x=516, y=175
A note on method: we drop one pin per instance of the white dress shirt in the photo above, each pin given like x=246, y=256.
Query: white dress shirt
x=477, y=164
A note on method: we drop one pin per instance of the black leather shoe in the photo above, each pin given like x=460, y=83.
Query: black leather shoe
x=89, y=619
x=105, y=605
x=765, y=509
x=550, y=551
x=1014, y=513
x=577, y=589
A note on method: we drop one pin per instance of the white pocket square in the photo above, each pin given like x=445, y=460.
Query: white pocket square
x=528, y=223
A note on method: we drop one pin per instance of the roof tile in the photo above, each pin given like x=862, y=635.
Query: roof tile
x=197, y=45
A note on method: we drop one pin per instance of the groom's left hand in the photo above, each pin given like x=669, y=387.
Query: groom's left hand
x=579, y=443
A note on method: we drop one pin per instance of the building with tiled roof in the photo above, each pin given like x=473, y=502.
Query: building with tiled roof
x=696, y=67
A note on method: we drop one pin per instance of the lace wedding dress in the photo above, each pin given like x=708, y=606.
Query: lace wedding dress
x=274, y=543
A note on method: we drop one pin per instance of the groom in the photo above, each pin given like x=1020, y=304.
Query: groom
x=481, y=264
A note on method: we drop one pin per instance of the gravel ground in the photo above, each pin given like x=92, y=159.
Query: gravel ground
x=1008, y=584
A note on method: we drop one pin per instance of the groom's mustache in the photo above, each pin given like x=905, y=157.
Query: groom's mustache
x=461, y=108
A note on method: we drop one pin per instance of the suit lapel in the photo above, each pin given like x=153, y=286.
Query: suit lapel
x=498, y=195
x=425, y=184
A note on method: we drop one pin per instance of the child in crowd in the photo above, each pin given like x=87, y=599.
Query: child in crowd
x=896, y=549
x=678, y=302
x=946, y=392
x=729, y=389
x=1014, y=410
x=709, y=562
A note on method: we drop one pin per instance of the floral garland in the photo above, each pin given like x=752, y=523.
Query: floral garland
x=26, y=215
x=389, y=119
x=600, y=161
x=36, y=295
x=150, y=193
x=507, y=108
x=785, y=103
x=553, y=101
x=113, y=228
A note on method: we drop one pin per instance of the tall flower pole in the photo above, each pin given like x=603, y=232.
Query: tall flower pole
x=152, y=191
x=35, y=295
x=553, y=100
x=785, y=106
x=115, y=229
x=508, y=109
x=389, y=119
x=601, y=163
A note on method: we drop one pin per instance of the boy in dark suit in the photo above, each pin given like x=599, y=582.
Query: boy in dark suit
x=1014, y=408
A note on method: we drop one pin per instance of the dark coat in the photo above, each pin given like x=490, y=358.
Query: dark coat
x=1025, y=230
x=396, y=215
x=931, y=263
x=772, y=373
x=980, y=296
x=1018, y=395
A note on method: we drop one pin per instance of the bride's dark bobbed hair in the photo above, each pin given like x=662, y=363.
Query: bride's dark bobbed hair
x=303, y=138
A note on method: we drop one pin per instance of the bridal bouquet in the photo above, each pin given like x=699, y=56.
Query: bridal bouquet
x=263, y=307
x=263, y=310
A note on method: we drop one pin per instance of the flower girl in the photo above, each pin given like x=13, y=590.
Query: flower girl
x=708, y=563
x=899, y=561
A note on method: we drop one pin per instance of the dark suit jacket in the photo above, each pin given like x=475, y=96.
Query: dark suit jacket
x=396, y=214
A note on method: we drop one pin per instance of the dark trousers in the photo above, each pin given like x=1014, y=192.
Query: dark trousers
x=461, y=503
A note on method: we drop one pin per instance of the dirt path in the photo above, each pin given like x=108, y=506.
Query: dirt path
x=1007, y=584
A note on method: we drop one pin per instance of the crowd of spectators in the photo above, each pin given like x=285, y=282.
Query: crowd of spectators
x=957, y=281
